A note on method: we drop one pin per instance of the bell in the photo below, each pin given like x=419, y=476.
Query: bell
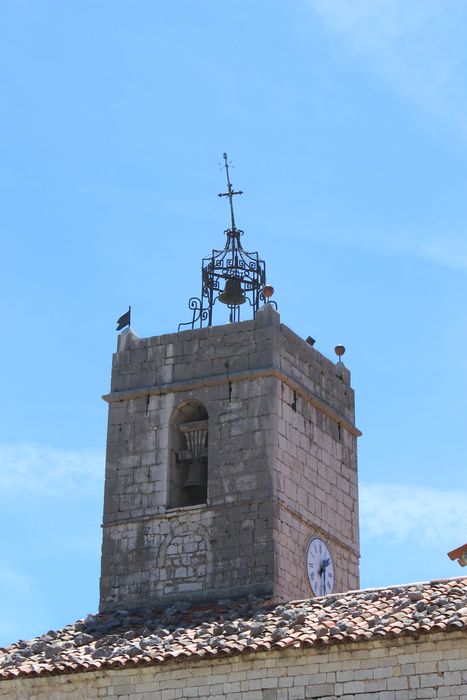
x=196, y=480
x=233, y=294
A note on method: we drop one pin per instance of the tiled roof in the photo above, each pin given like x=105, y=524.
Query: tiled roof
x=157, y=635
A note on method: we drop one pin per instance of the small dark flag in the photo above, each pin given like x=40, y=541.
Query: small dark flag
x=124, y=320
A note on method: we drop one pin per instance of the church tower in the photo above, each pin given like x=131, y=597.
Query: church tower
x=231, y=454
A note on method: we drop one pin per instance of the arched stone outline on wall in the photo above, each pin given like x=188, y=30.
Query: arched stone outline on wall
x=188, y=428
x=189, y=567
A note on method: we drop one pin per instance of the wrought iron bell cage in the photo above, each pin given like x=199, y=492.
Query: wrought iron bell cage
x=231, y=276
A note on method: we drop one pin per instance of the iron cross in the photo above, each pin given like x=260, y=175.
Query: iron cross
x=230, y=192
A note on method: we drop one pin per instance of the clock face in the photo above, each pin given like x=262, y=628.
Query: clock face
x=320, y=567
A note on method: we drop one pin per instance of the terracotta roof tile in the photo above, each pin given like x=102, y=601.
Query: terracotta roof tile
x=158, y=635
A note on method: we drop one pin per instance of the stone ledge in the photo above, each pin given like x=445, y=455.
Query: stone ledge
x=163, y=514
x=180, y=510
x=220, y=379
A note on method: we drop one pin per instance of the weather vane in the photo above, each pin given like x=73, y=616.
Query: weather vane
x=231, y=275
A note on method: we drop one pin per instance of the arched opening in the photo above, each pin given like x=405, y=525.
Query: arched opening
x=188, y=467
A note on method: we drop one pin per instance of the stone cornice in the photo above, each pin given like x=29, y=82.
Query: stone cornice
x=232, y=377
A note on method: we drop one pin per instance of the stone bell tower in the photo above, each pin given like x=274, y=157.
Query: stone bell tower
x=231, y=455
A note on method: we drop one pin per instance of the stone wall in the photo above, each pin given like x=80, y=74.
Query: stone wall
x=435, y=666
x=281, y=466
x=315, y=469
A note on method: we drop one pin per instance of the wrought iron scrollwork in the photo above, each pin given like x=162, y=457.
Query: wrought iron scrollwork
x=231, y=268
x=199, y=313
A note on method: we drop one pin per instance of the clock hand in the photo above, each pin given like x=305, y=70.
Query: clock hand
x=324, y=564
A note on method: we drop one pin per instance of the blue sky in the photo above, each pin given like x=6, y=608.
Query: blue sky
x=346, y=123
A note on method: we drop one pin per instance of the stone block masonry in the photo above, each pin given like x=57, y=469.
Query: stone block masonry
x=281, y=458
x=399, y=669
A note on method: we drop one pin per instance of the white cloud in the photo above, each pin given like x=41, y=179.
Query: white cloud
x=449, y=252
x=417, y=47
x=377, y=25
x=444, y=249
x=413, y=513
x=16, y=580
x=48, y=471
